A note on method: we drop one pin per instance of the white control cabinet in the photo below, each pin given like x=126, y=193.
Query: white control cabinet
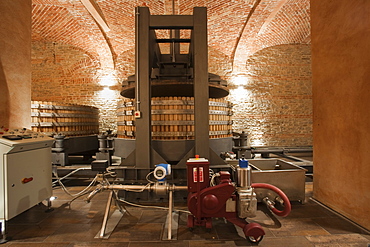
x=25, y=171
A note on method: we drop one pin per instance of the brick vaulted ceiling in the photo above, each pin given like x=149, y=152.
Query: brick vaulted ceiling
x=236, y=28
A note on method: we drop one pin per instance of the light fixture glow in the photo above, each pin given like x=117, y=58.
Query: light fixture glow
x=107, y=77
x=107, y=94
x=239, y=80
x=108, y=80
x=239, y=94
x=258, y=142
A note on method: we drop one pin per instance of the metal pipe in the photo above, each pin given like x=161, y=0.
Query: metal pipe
x=170, y=209
x=71, y=173
x=298, y=150
x=93, y=193
x=293, y=158
x=255, y=167
x=107, y=208
x=125, y=187
x=142, y=187
x=281, y=150
x=272, y=150
x=138, y=188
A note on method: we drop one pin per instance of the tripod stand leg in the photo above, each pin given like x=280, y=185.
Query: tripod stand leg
x=106, y=214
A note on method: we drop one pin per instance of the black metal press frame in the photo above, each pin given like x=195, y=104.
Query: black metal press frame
x=147, y=57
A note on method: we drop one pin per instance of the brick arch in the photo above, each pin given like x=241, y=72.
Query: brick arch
x=85, y=64
x=236, y=28
x=61, y=26
x=272, y=23
x=63, y=22
x=289, y=25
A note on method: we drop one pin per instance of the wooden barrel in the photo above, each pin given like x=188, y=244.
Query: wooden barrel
x=173, y=118
x=67, y=119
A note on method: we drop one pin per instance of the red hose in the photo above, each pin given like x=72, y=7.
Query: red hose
x=287, y=205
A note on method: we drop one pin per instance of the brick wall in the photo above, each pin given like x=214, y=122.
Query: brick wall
x=273, y=103
x=125, y=64
x=273, y=100
x=219, y=63
x=64, y=73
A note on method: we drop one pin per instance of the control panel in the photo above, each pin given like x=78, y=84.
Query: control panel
x=16, y=136
x=25, y=170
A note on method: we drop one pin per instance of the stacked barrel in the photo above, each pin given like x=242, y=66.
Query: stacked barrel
x=66, y=119
x=173, y=118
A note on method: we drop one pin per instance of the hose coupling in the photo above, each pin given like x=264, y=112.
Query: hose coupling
x=270, y=204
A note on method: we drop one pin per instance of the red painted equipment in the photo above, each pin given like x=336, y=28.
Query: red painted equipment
x=221, y=200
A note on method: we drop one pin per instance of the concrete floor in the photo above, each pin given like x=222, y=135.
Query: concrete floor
x=309, y=224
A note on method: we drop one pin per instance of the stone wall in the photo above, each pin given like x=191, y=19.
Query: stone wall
x=273, y=100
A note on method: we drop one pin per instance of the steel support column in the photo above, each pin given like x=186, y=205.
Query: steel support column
x=201, y=93
x=143, y=95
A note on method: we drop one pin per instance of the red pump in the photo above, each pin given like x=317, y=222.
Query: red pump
x=205, y=202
